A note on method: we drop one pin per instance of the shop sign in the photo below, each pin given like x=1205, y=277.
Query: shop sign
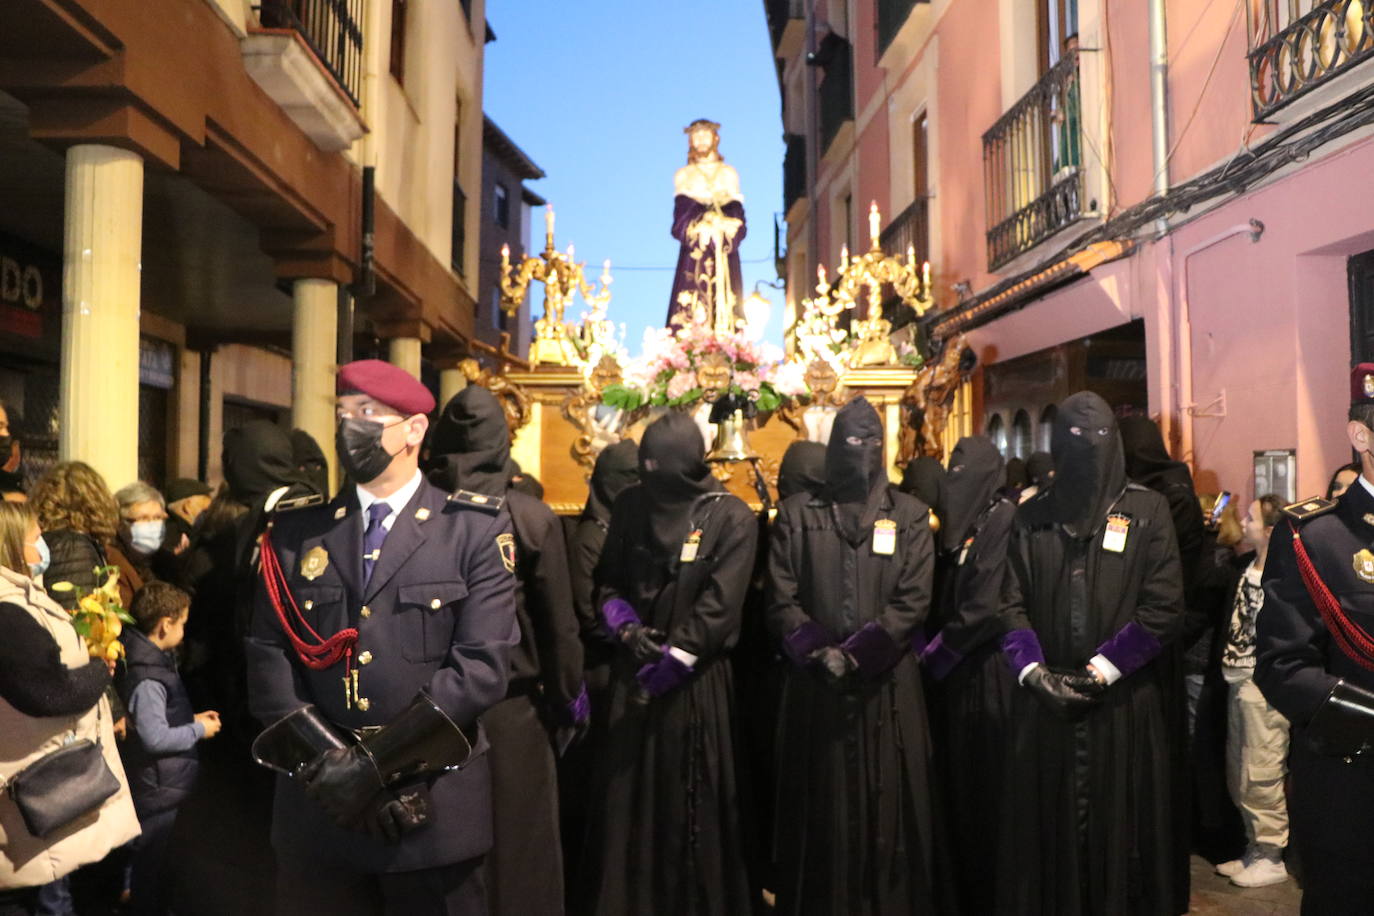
x=30, y=288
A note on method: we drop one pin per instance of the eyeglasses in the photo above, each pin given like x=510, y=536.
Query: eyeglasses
x=376, y=412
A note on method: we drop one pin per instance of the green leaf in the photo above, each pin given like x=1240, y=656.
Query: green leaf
x=81, y=625
x=768, y=398
x=687, y=397
x=124, y=616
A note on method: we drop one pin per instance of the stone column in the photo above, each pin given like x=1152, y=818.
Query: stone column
x=405, y=353
x=451, y=381
x=98, y=409
x=314, y=339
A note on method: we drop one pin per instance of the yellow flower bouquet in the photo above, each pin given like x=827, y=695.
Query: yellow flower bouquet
x=98, y=616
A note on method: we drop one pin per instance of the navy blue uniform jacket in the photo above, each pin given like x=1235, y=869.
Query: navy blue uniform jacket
x=438, y=614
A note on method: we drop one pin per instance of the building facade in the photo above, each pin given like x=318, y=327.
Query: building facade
x=1154, y=199
x=208, y=204
x=506, y=220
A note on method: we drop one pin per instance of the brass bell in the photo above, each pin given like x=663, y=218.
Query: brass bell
x=731, y=442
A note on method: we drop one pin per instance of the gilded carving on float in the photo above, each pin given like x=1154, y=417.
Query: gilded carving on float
x=515, y=400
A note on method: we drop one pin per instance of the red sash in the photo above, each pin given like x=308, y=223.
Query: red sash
x=323, y=652
x=1350, y=636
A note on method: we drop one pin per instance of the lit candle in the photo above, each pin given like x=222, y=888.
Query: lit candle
x=874, y=222
x=548, y=221
x=925, y=275
x=844, y=258
x=571, y=252
x=606, y=272
x=505, y=258
x=911, y=255
x=820, y=274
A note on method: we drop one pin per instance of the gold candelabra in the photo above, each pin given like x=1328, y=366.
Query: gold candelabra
x=861, y=280
x=555, y=343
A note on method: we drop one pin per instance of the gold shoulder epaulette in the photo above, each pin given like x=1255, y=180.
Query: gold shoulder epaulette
x=1305, y=509
x=480, y=501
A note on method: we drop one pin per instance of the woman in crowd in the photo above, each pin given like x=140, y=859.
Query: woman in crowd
x=50, y=690
x=142, y=524
x=1342, y=478
x=79, y=518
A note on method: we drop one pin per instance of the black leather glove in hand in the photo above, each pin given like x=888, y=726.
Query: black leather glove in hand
x=644, y=643
x=394, y=815
x=343, y=781
x=834, y=664
x=1068, y=695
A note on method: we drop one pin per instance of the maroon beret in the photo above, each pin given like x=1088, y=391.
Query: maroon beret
x=1362, y=384
x=391, y=385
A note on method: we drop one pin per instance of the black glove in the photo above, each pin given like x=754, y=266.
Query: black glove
x=1068, y=695
x=392, y=816
x=834, y=664
x=645, y=643
x=343, y=781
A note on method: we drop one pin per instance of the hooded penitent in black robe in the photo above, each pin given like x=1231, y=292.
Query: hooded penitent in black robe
x=972, y=689
x=310, y=460
x=616, y=468
x=666, y=829
x=468, y=451
x=850, y=572
x=1094, y=578
x=924, y=478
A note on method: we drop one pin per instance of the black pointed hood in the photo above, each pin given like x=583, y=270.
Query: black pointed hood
x=617, y=467
x=802, y=469
x=1147, y=459
x=975, y=474
x=924, y=478
x=854, y=454
x=674, y=474
x=1040, y=469
x=470, y=446
x=1089, y=468
x=258, y=459
x=309, y=458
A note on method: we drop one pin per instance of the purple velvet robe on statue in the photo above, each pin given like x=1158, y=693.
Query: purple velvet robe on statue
x=690, y=274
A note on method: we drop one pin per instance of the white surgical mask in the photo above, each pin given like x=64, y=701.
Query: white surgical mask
x=146, y=537
x=44, y=558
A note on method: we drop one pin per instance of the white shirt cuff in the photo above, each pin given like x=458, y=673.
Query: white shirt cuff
x=687, y=658
x=1021, y=678
x=1111, y=672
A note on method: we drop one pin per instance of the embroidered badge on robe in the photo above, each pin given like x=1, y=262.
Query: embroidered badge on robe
x=1114, y=538
x=1364, y=565
x=690, y=547
x=314, y=563
x=884, y=537
x=506, y=544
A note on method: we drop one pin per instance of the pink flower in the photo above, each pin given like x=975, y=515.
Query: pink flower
x=680, y=384
x=749, y=381
x=790, y=380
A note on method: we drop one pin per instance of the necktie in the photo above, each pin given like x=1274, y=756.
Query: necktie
x=373, y=537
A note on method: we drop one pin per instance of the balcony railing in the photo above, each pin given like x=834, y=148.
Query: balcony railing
x=332, y=29
x=1033, y=165
x=836, y=92
x=911, y=229
x=1291, y=60
x=793, y=171
x=891, y=17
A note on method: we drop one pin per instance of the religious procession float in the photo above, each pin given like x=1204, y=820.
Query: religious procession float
x=581, y=390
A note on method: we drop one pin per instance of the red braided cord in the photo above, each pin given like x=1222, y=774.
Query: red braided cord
x=1353, y=640
x=326, y=652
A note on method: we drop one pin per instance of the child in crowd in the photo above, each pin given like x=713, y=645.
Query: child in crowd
x=160, y=752
x=1257, y=734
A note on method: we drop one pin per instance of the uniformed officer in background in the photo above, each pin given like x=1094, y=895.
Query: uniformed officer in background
x=1314, y=661
x=382, y=629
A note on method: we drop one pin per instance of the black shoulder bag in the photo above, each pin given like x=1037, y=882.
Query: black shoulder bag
x=61, y=786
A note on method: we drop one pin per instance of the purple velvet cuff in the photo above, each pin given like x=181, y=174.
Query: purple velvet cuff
x=938, y=658
x=1131, y=648
x=805, y=639
x=617, y=612
x=919, y=641
x=872, y=650
x=668, y=673
x=580, y=709
x=1022, y=648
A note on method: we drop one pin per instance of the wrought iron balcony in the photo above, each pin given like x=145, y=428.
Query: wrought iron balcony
x=911, y=229
x=1033, y=165
x=793, y=171
x=1291, y=60
x=331, y=28
x=836, y=89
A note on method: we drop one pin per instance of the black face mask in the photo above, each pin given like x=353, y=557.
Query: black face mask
x=359, y=443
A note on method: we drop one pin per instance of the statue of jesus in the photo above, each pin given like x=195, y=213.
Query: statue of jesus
x=708, y=219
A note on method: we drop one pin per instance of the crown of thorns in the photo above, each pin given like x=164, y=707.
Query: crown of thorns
x=700, y=122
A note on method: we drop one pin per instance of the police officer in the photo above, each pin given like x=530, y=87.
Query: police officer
x=1314, y=661
x=382, y=629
